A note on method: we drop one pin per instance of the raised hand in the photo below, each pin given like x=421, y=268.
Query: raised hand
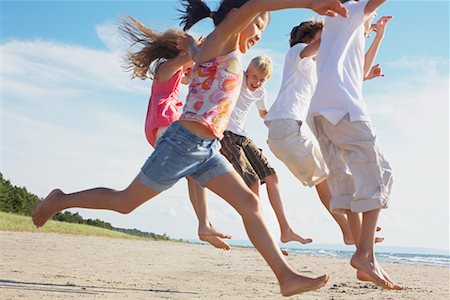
x=330, y=8
x=374, y=72
x=380, y=26
x=185, y=42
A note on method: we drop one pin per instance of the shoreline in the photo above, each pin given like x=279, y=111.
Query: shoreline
x=55, y=266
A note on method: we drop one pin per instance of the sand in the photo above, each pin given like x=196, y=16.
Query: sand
x=55, y=266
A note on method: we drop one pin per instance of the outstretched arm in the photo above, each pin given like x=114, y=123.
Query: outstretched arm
x=238, y=20
x=371, y=54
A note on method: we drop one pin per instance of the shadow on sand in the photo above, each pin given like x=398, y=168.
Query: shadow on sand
x=78, y=289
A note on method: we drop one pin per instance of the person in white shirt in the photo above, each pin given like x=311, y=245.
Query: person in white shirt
x=290, y=139
x=245, y=156
x=360, y=178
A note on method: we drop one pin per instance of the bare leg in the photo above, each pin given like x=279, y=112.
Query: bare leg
x=323, y=190
x=98, y=198
x=255, y=189
x=355, y=222
x=206, y=232
x=273, y=191
x=364, y=258
x=248, y=206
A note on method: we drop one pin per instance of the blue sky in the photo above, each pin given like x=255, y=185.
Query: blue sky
x=71, y=118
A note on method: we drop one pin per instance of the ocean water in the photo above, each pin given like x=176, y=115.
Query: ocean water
x=401, y=255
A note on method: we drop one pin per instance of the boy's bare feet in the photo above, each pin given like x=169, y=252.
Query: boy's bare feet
x=47, y=208
x=214, y=237
x=361, y=275
x=369, y=266
x=291, y=236
x=300, y=284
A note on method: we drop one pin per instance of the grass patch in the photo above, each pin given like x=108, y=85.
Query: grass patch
x=13, y=222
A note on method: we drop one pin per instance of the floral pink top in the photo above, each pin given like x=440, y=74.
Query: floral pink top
x=162, y=106
x=213, y=92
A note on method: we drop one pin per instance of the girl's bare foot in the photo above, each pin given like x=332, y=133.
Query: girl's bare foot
x=370, y=267
x=291, y=236
x=47, y=208
x=300, y=284
x=211, y=235
x=361, y=275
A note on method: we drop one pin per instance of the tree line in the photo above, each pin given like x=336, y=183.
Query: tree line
x=18, y=200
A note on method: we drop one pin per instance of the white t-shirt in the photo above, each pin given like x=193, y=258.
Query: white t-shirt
x=340, y=68
x=297, y=86
x=246, y=98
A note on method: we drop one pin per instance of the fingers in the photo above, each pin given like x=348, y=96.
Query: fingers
x=329, y=8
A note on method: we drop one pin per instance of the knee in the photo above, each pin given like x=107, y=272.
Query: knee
x=251, y=205
x=124, y=209
x=271, y=179
x=121, y=205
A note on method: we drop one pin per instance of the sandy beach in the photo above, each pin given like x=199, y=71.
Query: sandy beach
x=55, y=266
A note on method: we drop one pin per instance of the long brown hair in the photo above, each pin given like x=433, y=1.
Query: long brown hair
x=148, y=48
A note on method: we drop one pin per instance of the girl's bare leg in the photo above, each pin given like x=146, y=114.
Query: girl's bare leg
x=273, y=192
x=98, y=198
x=206, y=232
x=323, y=190
x=248, y=206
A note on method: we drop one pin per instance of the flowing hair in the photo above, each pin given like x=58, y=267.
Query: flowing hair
x=148, y=49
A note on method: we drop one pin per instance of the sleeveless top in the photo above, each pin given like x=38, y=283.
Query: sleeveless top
x=213, y=92
x=162, y=106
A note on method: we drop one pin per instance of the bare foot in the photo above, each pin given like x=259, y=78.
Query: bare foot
x=370, y=267
x=300, y=284
x=291, y=236
x=215, y=241
x=361, y=275
x=46, y=208
x=211, y=235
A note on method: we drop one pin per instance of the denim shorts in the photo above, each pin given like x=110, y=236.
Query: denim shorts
x=180, y=153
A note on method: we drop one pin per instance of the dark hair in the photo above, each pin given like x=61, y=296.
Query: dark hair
x=196, y=10
x=305, y=32
x=149, y=48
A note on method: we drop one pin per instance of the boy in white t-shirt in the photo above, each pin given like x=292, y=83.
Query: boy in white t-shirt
x=247, y=158
x=290, y=139
x=360, y=178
